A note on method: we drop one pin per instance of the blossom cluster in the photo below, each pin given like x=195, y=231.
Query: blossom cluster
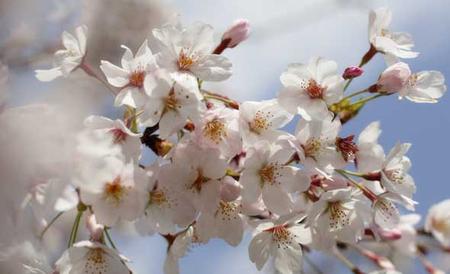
x=221, y=168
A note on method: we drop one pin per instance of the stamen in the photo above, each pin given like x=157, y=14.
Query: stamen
x=215, y=130
x=136, y=78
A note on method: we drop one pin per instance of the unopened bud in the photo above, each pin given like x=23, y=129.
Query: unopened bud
x=237, y=33
x=230, y=189
x=389, y=235
x=393, y=79
x=352, y=72
x=95, y=229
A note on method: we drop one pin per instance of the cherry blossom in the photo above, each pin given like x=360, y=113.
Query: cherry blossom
x=68, y=59
x=131, y=76
x=121, y=134
x=189, y=51
x=394, y=175
x=224, y=221
x=116, y=193
x=438, y=222
x=261, y=120
x=398, y=44
x=219, y=128
x=267, y=174
x=167, y=205
x=309, y=89
x=200, y=170
x=91, y=257
x=172, y=103
x=282, y=240
x=340, y=214
x=315, y=143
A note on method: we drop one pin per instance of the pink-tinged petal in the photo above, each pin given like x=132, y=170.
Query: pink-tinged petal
x=116, y=76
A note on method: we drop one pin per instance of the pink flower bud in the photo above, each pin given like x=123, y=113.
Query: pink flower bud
x=95, y=229
x=230, y=189
x=389, y=235
x=237, y=33
x=352, y=72
x=394, y=78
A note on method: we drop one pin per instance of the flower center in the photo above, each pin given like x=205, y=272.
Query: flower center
x=281, y=236
x=136, y=78
x=158, y=197
x=185, y=61
x=386, y=208
x=171, y=102
x=314, y=90
x=412, y=81
x=347, y=147
x=441, y=225
x=214, y=130
x=312, y=147
x=260, y=122
x=199, y=181
x=395, y=175
x=96, y=262
x=114, y=191
x=227, y=210
x=339, y=216
x=118, y=135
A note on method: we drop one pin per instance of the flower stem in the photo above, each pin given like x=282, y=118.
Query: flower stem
x=367, y=99
x=346, y=261
x=89, y=71
x=109, y=238
x=74, y=232
x=367, y=192
x=356, y=93
x=227, y=101
x=50, y=224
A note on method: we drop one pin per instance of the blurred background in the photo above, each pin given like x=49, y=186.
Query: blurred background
x=283, y=32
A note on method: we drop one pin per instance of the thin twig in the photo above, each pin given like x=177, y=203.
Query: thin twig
x=50, y=224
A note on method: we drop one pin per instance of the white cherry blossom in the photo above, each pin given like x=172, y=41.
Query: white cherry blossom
x=190, y=51
x=224, y=221
x=68, y=59
x=172, y=103
x=394, y=173
x=424, y=87
x=398, y=44
x=116, y=191
x=219, y=128
x=438, y=222
x=309, y=89
x=130, y=77
x=130, y=142
x=197, y=172
x=282, y=240
x=407, y=244
x=178, y=249
x=261, y=120
x=339, y=214
x=167, y=205
x=268, y=175
x=91, y=257
x=315, y=143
